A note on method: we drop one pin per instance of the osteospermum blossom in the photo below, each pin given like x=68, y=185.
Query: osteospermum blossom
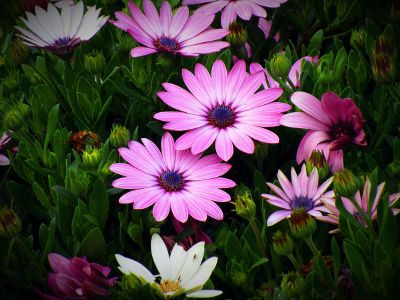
x=233, y=8
x=176, y=33
x=172, y=180
x=294, y=73
x=302, y=192
x=180, y=273
x=223, y=107
x=333, y=123
x=61, y=32
x=366, y=203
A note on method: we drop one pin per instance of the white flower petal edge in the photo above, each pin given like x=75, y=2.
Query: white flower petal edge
x=204, y=294
x=129, y=266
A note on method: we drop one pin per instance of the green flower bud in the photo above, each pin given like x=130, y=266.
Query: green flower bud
x=12, y=80
x=19, y=52
x=394, y=168
x=357, y=39
x=105, y=170
x=10, y=223
x=345, y=183
x=119, y=136
x=91, y=158
x=239, y=278
x=237, y=36
x=94, y=62
x=16, y=117
x=280, y=65
x=292, y=285
x=282, y=243
x=383, y=60
x=244, y=204
x=301, y=224
x=317, y=160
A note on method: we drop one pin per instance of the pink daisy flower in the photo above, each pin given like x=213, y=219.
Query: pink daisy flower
x=368, y=206
x=294, y=73
x=223, y=107
x=333, y=123
x=168, y=32
x=302, y=192
x=172, y=180
x=233, y=8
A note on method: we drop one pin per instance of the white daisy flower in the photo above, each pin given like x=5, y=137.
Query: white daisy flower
x=181, y=272
x=61, y=32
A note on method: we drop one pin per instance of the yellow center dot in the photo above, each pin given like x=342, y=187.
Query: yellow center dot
x=169, y=286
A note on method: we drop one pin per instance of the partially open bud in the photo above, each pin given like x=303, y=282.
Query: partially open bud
x=119, y=136
x=16, y=117
x=244, y=204
x=280, y=65
x=237, y=36
x=83, y=138
x=10, y=223
x=91, y=158
x=317, y=160
x=239, y=278
x=301, y=224
x=12, y=80
x=292, y=285
x=282, y=243
x=94, y=62
x=345, y=183
x=357, y=39
x=19, y=52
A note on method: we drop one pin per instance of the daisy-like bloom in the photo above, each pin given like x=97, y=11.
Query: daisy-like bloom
x=61, y=31
x=233, y=8
x=333, y=123
x=5, y=143
x=172, y=180
x=368, y=205
x=302, y=192
x=294, y=73
x=176, y=33
x=180, y=273
x=223, y=107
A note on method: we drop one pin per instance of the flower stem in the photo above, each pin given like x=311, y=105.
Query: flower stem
x=260, y=244
x=313, y=247
x=294, y=261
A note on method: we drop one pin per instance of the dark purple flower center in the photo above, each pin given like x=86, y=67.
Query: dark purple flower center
x=302, y=202
x=221, y=116
x=342, y=133
x=62, y=41
x=171, y=181
x=166, y=44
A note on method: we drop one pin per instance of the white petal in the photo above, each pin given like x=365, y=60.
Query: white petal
x=204, y=294
x=43, y=17
x=67, y=19
x=30, y=37
x=55, y=20
x=77, y=14
x=129, y=266
x=201, y=277
x=177, y=259
x=34, y=26
x=192, y=263
x=160, y=255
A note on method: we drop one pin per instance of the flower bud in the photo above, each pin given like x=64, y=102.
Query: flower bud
x=119, y=136
x=280, y=65
x=239, y=278
x=10, y=223
x=83, y=138
x=94, y=62
x=19, y=52
x=317, y=160
x=345, y=183
x=12, y=80
x=357, y=39
x=16, y=117
x=301, y=224
x=237, y=36
x=383, y=60
x=91, y=158
x=282, y=243
x=244, y=204
x=105, y=170
x=292, y=285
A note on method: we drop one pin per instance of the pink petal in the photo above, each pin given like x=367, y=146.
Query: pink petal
x=228, y=15
x=142, y=51
x=154, y=153
x=206, y=137
x=219, y=182
x=182, y=102
x=209, y=172
x=249, y=87
x=196, y=24
x=206, y=161
x=219, y=76
x=141, y=194
x=206, y=36
x=187, y=140
x=195, y=208
x=286, y=185
x=256, y=10
x=135, y=182
x=185, y=125
x=179, y=208
x=162, y=207
x=141, y=36
x=223, y=145
x=179, y=20
x=205, y=80
x=259, y=134
x=212, y=194
x=255, y=117
x=302, y=120
x=310, y=105
x=279, y=192
x=312, y=183
x=295, y=70
x=241, y=140
x=196, y=87
x=212, y=8
x=262, y=98
x=322, y=188
x=276, y=201
x=309, y=143
x=144, y=23
x=335, y=160
x=278, y=216
x=139, y=160
x=243, y=10
x=212, y=209
x=166, y=17
x=204, y=48
x=295, y=183
x=168, y=150
x=152, y=14
x=235, y=79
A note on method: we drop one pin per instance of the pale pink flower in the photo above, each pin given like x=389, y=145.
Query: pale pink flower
x=224, y=107
x=233, y=8
x=368, y=205
x=172, y=180
x=333, y=123
x=176, y=33
x=265, y=26
x=294, y=73
x=302, y=192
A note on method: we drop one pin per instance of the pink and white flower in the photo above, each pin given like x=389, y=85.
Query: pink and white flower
x=172, y=180
x=176, y=33
x=302, y=192
x=233, y=8
x=333, y=123
x=222, y=107
x=294, y=73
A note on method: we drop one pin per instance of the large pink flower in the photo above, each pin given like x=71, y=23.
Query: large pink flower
x=302, y=192
x=223, y=107
x=294, y=73
x=333, y=123
x=172, y=180
x=233, y=8
x=167, y=32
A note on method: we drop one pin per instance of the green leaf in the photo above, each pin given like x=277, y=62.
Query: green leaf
x=99, y=204
x=41, y=196
x=316, y=40
x=52, y=121
x=259, y=262
x=232, y=246
x=93, y=245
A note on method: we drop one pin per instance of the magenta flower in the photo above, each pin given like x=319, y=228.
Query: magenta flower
x=233, y=8
x=368, y=206
x=294, y=73
x=333, y=124
x=302, y=192
x=178, y=33
x=76, y=278
x=172, y=180
x=223, y=107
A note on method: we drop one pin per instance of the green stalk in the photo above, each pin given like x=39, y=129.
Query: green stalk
x=260, y=244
